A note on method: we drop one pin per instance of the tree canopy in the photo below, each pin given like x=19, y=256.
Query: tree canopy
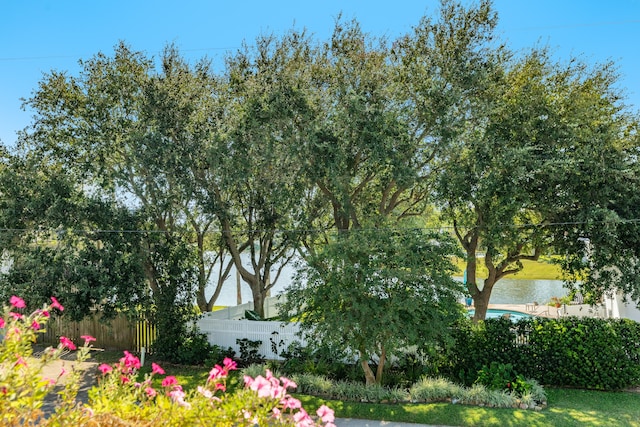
x=293, y=139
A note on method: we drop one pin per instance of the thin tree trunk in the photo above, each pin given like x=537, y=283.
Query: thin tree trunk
x=381, y=362
x=368, y=373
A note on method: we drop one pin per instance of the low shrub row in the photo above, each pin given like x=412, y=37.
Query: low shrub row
x=425, y=390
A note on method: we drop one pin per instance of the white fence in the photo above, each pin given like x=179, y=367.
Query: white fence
x=274, y=335
x=237, y=312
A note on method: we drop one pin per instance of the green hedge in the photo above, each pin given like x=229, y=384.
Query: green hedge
x=568, y=352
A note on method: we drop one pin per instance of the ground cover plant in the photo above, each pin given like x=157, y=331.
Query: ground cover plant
x=120, y=398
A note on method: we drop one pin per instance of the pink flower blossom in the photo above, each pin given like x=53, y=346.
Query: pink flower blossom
x=261, y=385
x=206, y=393
x=104, y=368
x=16, y=316
x=216, y=373
x=177, y=395
x=277, y=414
x=130, y=362
x=2, y=322
x=326, y=414
x=17, y=302
x=56, y=304
x=287, y=383
x=87, y=339
x=229, y=364
x=21, y=362
x=151, y=392
x=156, y=369
x=302, y=419
x=44, y=313
x=169, y=381
x=66, y=342
x=124, y=379
x=291, y=403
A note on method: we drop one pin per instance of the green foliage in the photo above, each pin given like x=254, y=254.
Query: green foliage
x=249, y=353
x=478, y=345
x=319, y=359
x=502, y=376
x=374, y=291
x=569, y=352
x=217, y=353
x=194, y=349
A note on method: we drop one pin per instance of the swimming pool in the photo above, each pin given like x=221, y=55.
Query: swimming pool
x=493, y=313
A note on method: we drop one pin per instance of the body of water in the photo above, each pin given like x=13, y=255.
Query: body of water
x=506, y=291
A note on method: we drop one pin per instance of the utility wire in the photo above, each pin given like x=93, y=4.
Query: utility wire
x=308, y=231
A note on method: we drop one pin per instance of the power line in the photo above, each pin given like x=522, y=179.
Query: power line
x=307, y=231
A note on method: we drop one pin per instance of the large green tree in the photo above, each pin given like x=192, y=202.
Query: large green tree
x=377, y=291
x=128, y=131
x=523, y=169
x=247, y=176
x=60, y=241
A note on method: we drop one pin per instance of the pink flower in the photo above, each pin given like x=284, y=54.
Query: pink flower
x=156, y=369
x=261, y=385
x=216, y=373
x=16, y=316
x=287, y=383
x=124, y=379
x=326, y=414
x=56, y=304
x=169, y=381
x=177, y=395
x=44, y=313
x=35, y=325
x=66, y=342
x=130, y=362
x=87, y=339
x=291, y=403
x=206, y=393
x=20, y=362
x=2, y=322
x=302, y=418
x=229, y=364
x=104, y=368
x=151, y=392
x=17, y=302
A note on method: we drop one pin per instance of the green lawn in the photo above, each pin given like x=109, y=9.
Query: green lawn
x=543, y=270
x=567, y=407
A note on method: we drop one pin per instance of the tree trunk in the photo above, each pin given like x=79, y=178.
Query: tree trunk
x=258, y=299
x=381, y=362
x=481, y=299
x=368, y=373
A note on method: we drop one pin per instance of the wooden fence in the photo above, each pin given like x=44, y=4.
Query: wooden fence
x=119, y=333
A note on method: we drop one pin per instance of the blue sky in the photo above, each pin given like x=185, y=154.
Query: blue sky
x=38, y=36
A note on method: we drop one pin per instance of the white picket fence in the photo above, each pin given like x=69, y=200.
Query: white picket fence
x=273, y=335
x=237, y=312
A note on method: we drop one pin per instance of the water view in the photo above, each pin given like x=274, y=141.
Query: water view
x=506, y=291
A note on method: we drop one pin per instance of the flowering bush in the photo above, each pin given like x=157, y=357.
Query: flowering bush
x=120, y=399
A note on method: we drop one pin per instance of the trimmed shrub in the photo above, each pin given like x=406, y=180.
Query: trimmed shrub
x=589, y=353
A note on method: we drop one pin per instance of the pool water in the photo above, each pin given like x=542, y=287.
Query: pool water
x=495, y=313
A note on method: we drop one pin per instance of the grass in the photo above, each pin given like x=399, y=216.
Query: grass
x=567, y=407
x=542, y=270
